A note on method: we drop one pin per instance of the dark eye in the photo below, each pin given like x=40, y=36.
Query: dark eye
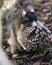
x=15, y=10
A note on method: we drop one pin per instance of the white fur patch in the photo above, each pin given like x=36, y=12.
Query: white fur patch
x=23, y=13
x=34, y=23
x=32, y=10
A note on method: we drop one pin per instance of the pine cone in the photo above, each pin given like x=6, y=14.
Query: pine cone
x=32, y=37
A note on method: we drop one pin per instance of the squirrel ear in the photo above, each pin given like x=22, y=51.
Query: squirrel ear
x=23, y=13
